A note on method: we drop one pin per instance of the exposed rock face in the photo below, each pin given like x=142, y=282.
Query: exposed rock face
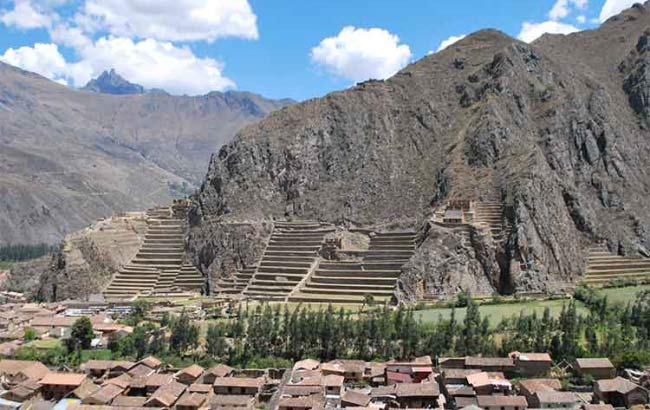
x=110, y=82
x=70, y=157
x=551, y=130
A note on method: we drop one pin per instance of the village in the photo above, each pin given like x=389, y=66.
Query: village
x=518, y=381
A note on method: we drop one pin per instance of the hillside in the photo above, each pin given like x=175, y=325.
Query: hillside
x=555, y=132
x=69, y=157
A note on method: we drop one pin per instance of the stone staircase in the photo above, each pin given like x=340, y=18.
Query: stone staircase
x=291, y=253
x=236, y=284
x=157, y=266
x=604, y=266
x=350, y=282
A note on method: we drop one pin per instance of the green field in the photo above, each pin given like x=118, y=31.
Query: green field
x=497, y=313
x=45, y=344
x=623, y=295
x=6, y=265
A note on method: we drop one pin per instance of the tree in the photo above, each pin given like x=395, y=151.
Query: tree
x=30, y=334
x=216, y=345
x=183, y=334
x=81, y=335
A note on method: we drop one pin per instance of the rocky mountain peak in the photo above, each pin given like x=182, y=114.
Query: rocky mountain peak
x=110, y=82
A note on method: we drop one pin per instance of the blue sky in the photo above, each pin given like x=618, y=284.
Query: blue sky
x=278, y=48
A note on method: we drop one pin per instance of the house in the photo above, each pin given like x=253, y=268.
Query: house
x=418, y=395
x=620, y=392
x=417, y=370
x=529, y=387
x=17, y=371
x=101, y=368
x=555, y=400
x=129, y=401
x=58, y=385
x=157, y=380
x=291, y=390
x=353, y=398
x=140, y=370
x=451, y=362
x=104, y=395
x=532, y=364
x=353, y=370
x=189, y=374
x=299, y=403
x=457, y=376
x=219, y=402
x=502, y=402
x=191, y=401
x=487, y=383
x=85, y=389
x=220, y=370
x=306, y=364
x=151, y=362
x=166, y=395
x=490, y=364
x=24, y=391
x=238, y=385
x=123, y=380
x=332, y=368
x=332, y=384
x=598, y=368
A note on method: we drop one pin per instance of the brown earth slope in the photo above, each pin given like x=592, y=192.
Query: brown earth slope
x=556, y=131
x=69, y=157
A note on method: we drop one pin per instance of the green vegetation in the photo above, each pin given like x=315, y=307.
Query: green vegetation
x=21, y=252
x=6, y=265
x=81, y=335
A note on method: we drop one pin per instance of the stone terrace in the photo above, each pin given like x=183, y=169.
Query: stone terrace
x=604, y=266
x=349, y=282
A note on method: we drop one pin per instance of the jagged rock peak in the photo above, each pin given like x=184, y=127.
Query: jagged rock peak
x=110, y=82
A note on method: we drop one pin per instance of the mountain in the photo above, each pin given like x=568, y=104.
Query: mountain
x=110, y=82
x=69, y=157
x=556, y=132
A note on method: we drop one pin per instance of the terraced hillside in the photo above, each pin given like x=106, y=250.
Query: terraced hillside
x=290, y=255
x=349, y=282
x=604, y=266
x=158, y=266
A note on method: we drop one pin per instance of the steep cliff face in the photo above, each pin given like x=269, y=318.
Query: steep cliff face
x=555, y=131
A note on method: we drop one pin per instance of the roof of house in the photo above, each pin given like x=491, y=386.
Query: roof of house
x=193, y=371
x=332, y=380
x=489, y=361
x=123, y=380
x=617, y=384
x=151, y=362
x=458, y=373
x=598, y=407
x=354, y=397
x=299, y=402
x=85, y=389
x=492, y=401
x=104, y=395
x=192, y=399
x=460, y=391
x=220, y=370
x=539, y=385
x=140, y=370
x=199, y=388
x=238, y=382
x=231, y=400
x=293, y=390
x=417, y=390
x=52, y=321
x=129, y=401
x=332, y=367
x=594, y=363
x=306, y=364
x=552, y=396
x=29, y=368
x=158, y=379
x=351, y=366
x=63, y=379
x=532, y=357
x=167, y=395
x=398, y=377
x=488, y=378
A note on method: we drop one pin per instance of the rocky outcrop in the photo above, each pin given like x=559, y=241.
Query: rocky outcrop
x=110, y=82
x=549, y=130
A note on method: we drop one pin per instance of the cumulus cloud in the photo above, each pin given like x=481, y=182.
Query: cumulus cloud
x=151, y=63
x=451, y=40
x=174, y=20
x=44, y=59
x=25, y=16
x=613, y=7
x=562, y=8
x=359, y=54
x=532, y=31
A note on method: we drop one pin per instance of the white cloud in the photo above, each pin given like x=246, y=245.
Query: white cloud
x=581, y=19
x=175, y=20
x=562, y=8
x=359, y=54
x=451, y=40
x=43, y=59
x=73, y=37
x=613, y=7
x=151, y=63
x=532, y=31
x=25, y=16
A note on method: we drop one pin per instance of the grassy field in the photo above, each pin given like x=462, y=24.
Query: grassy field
x=623, y=295
x=6, y=265
x=497, y=313
x=45, y=344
